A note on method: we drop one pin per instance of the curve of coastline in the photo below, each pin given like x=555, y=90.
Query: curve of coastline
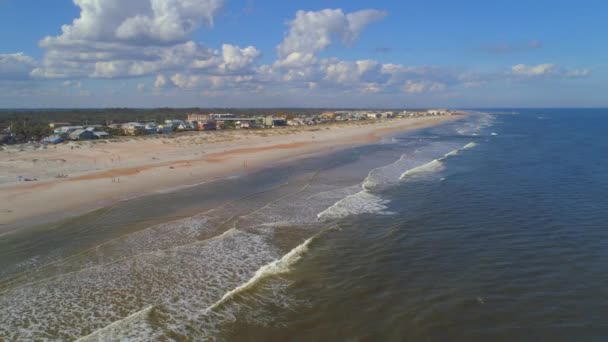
x=54, y=199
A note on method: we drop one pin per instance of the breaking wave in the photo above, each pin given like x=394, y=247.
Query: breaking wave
x=116, y=330
x=362, y=202
x=180, y=279
x=433, y=166
x=276, y=267
x=469, y=145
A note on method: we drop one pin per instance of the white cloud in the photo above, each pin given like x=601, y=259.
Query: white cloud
x=160, y=81
x=135, y=21
x=352, y=73
x=416, y=87
x=533, y=70
x=578, y=73
x=16, y=66
x=371, y=88
x=185, y=81
x=154, y=39
x=72, y=83
x=114, y=38
x=235, y=58
x=114, y=41
x=547, y=69
x=313, y=31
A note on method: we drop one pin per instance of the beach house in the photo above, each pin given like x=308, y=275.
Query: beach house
x=53, y=139
x=82, y=134
x=198, y=117
x=102, y=135
x=134, y=128
x=328, y=116
x=271, y=121
x=6, y=139
x=66, y=129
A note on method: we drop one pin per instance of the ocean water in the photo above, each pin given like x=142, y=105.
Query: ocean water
x=489, y=228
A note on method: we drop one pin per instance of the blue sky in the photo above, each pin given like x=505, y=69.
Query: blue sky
x=223, y=53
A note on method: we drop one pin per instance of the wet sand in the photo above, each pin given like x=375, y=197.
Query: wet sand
x=75, y=178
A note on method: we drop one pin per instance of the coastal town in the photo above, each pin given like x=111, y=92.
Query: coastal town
x=61, y=132
x=104, y=163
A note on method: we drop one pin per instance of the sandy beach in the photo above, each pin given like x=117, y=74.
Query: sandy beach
x=78, y=177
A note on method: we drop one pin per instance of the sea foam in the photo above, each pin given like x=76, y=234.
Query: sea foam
x=469, y=146
x=432, y=166
x=276, y=267
x=363, y=202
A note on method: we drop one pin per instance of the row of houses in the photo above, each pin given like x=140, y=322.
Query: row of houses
x=300, y=120
x=225, y=120
x=430, y=112
x=63, y=131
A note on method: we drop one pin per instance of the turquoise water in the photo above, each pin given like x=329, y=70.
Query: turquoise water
x=492, y=228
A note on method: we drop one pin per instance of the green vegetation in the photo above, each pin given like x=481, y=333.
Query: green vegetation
x=121, y=115
x=33, y=124
x=26, y=130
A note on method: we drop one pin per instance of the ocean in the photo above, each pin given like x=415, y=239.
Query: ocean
x=488, y=228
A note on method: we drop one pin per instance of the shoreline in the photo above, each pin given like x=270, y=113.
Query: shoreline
x=132, y=173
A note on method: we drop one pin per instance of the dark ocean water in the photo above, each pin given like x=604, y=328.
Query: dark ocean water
x=507, y=242
x=491, y=228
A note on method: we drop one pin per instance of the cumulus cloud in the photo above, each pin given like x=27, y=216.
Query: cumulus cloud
x=547, y=69
x=415, y=87
x=533, y=70
x=185, y=81
x=310, y=32
x=578, y=73
x=160, y=81
x=235, y=58
x=113, y=38
x=135, y=21
x=152, y=40
x=347, y=73
x=16, y=66
x=313, y=31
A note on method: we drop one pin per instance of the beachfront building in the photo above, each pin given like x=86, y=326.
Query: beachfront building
x=176, y=125
x=296, y=122
x=82, y=134
x=435, y=112
x=164, y=129
x=271, y=121
x=102, y=135
x=251, y=123
x=197, y=117
x=215, y=116
x=328, y=115
x=66, y=129
x=134, y=128
x=151, y=128
x=53, y=139
x=208, y=126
